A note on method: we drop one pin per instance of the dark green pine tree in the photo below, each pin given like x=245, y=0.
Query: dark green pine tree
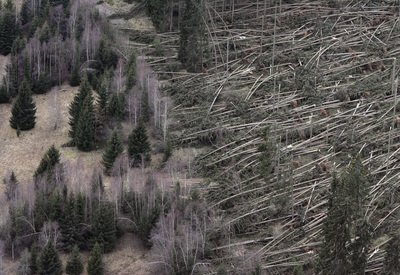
x=103, y=227
x=85, y=129
x=333, y=257
x=49, y=162
x=144, y=107
x=139, y=146
x=131, y=72
x=267, y=153
x=24, y=109
x=113, y=150
x=8, y=28
x=75, y=73
x=49, y=262
x=359, y=248
x=10, y=187
x=116, y=106
x=33, y=260
x=74, y=265
x=77, y=106
x=391, y=264
x=192, y=44
x=4, y=96
x=25, y=13
x=104, y=91
x=95, y=262
x=69, y=227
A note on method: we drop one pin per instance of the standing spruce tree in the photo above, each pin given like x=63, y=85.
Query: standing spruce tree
x=49, y=262
x=113, y=150
x=10, y=187
x=75, y=76
x=359, y=248
x=345, y=210
x=77, y=106
x=139, y=146
x=131, y=72
x=33, y=260
x=24, y=109
x=48, y=163
x=8, y=28
x=333, y=258
x=69, y=226
x=193, y=41
x=104, y=228
x=4, y=96
x=85, y=129
x=74, y=264
x=95, y=262
x=391, y=264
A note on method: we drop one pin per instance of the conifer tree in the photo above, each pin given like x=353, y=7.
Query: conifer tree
x=104, y=228
x=131, y=72
x=49, y=262
x=192, y=45
x=24, y=109
x=359, y=248
x=4, y=96
x=113, y=150
x=333, y=258
x=104, y=91
x=391, y=264
x=95, y=262
x=139, y=146
x=145, y=108
x=85, y=129
x=116, y=105
x=11, y=186
x=33, y=260
x=49, y=162
x=74, y=265
x=8, y=28
x=77, y=105
x=75, y=76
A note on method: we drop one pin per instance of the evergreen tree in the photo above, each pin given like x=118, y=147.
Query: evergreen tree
x=192, y=45
x=8, y=28
x=391, y=264
x=138, y=145
x=145, y=108
x=333, y=258
x=77, y=106
x=103, y=91
x=131, y=72
x=33, y=260
x=11, y=186
x=49, y=162
x=95, y=262
x=85, y=130
x=49, y=262
x=70, y=233
x=267, y=153
x=74, y=264
x=24, y=109
x=4, y=96
x=105, y=54
x=103, y=227
x=116, y=105
x=113, y=150
x=360, y=248
x=75, y=76
x=25, y=13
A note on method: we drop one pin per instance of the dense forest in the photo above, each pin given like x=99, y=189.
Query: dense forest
x=223, y=136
